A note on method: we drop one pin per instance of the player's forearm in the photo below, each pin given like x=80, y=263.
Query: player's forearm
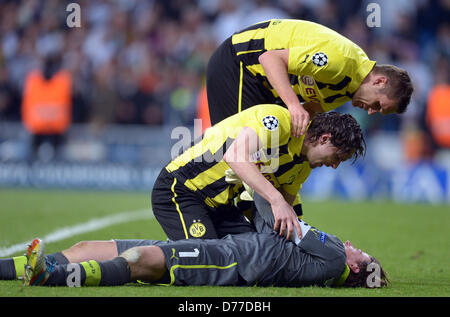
x=288, y=197
x=238, y=157
x=275, y=64
x=249, y=173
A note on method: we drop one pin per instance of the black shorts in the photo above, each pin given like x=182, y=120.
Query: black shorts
x=184, y=215
x=231, y=87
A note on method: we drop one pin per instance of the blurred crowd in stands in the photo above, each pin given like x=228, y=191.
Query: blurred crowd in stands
x=143, y=62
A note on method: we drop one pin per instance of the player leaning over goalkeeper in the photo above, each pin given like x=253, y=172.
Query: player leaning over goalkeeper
x=194, y=195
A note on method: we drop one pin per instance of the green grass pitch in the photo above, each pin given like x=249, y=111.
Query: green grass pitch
x=412, y=241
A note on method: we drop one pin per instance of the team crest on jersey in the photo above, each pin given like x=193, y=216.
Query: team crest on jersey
x=197, y=229
x=270, y=123
x=319, y=59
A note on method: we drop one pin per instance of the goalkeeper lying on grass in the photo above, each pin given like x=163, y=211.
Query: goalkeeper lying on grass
x=262, y=258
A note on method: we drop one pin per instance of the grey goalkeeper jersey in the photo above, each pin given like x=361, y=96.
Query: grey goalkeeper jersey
x=316, y=259
x=266, y=259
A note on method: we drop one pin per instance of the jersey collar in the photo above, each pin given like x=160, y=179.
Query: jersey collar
x=343, y=277
x=362, y=72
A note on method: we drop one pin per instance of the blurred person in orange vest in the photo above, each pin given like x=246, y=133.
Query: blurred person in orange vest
x=438, y=114
x=202, y=109
x=47, y=107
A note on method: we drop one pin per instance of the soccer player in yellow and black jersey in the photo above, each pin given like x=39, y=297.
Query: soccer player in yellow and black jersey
x=191, y=197
x=305, y=66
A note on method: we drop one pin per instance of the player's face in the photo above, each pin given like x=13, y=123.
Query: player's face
x=355, y=256
x=370, y=98
x=325, y=153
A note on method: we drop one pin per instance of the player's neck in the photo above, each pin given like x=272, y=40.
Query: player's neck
x=305, y=148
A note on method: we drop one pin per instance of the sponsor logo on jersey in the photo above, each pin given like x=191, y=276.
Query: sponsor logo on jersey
x=323, y=237
x=311, y=94
x=307, y=80
x=306, y=57
x=256, y=156
x=320, y=234
x=173, y=255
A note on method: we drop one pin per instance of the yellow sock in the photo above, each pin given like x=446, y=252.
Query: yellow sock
x=19, y=265
x=93, y=273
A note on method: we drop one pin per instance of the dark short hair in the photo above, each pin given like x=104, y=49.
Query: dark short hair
x=346, y=134
x=360, y=279
x=399, y=86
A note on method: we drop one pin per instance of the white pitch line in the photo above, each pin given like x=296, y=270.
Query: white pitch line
x=89, y=226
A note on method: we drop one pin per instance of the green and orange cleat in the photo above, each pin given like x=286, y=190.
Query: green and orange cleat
x=36, y=271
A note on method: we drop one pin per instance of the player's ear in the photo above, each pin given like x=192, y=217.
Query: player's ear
x=354, y=267
x=380, y=80
x=324, y=138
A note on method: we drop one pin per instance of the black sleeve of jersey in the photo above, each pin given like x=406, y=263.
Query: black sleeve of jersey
x=298, y=210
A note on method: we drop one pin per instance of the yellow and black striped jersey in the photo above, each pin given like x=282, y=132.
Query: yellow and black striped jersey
x=201, y=168
x=324, y=66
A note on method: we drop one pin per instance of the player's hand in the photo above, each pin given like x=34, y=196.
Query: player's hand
x=299, y=120
x=285, y=219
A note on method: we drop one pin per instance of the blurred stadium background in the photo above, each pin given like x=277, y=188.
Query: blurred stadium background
x=136, y=71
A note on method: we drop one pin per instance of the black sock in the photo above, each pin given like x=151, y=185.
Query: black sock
x=91, y=273
x=71, y=274
x=7, y=269
x=12, y=268
x=59, y=258
x=115, y=272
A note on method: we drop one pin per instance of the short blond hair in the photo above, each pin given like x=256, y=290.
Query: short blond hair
x=399, y=85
